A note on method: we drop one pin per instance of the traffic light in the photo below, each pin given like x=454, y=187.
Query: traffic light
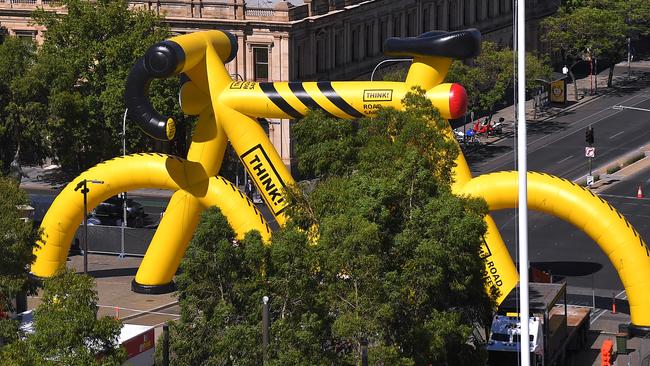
x=589, y=135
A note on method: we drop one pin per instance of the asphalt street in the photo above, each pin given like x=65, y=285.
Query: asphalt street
x=556, y=146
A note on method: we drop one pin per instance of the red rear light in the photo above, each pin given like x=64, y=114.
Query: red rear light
x=457, y=101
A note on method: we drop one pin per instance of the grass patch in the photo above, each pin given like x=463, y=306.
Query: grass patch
x=613, y=169
x=634, y=158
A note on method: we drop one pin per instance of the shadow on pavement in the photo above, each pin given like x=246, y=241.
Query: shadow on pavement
x=547, y=126
x=115, y=272
x=601, y=302
x=481, y=153
x=567, y=268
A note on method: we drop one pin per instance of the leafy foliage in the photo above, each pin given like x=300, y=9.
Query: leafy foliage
x=596, y=29
x=66, y=328
x=17, y=242
x=16, y=56
x=74, y=90
x=489, y=76
x=395, y=261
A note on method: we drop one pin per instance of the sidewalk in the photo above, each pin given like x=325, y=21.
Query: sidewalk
x=113, y=276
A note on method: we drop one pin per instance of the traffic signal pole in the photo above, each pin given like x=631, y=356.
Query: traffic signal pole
x=589, y=139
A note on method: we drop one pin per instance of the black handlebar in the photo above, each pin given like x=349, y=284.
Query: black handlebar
x=161, y=60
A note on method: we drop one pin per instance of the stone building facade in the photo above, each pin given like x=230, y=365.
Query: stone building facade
x=316, y=40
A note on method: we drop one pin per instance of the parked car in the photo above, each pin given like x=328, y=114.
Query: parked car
x=110, y=213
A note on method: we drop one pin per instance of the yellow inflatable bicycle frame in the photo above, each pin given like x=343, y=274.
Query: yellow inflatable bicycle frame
x=227, y=111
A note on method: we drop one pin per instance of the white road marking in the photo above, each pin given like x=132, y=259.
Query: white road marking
x=614, y=136
x=593, y=320
x=580, y=129
x=565, y=159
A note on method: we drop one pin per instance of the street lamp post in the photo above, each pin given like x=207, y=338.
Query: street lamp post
x=83, y=185
x=126, y=111
x=265, y=329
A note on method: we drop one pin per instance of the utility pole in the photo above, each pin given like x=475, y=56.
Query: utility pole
x=629, y=56
x=589, y=139
x=596, y=74
x=265, y=329
x=83, y=185
x=123, y=193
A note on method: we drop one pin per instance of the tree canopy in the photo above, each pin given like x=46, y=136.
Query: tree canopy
x=73, y=92
x=16, y=56
x=66, y=330
x=17, y=242
x=596, y=29
x=490, y=76
x=379, y=252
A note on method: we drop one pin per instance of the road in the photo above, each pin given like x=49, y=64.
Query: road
x=567, y=252
x=557, y=147
x=153, y=206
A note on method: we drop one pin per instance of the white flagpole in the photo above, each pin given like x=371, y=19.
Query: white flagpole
x=523, y=196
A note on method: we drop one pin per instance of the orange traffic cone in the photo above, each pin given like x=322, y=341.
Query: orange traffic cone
x=639, y=193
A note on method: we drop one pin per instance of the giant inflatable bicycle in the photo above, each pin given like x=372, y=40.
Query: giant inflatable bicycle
x=227, y=111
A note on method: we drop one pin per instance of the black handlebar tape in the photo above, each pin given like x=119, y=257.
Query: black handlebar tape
x=161, y=60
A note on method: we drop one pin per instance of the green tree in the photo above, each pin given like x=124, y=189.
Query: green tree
x=585, y=33
x=488, y=77
x=77, y=81
x=17, y=242
x=392, y=258
x=66, y=328
x=16, y=56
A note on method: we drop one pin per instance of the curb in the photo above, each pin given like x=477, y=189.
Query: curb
x=621, y=174
x=606, y=91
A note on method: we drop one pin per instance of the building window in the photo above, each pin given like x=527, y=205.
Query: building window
x=320, y=54
x=338, y=49
x=368, y=40
x=26, y=34
x=469, y=19
x=383, y=34
x=426, y=21
x=354, y=45
x=397, y=26
x=261, y=63
x=412, y=25
x=297, y=64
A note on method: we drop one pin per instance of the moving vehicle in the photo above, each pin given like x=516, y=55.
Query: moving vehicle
x=110, y=212
x=555, y=328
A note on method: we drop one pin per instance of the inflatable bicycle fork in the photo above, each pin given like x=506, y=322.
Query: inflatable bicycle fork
x=227, y=111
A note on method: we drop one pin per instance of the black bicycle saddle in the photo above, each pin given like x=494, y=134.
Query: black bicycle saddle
x=457, y=45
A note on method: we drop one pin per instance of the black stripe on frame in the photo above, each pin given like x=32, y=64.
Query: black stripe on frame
x=299, y=91
x=276, y=98
x=331, y=94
